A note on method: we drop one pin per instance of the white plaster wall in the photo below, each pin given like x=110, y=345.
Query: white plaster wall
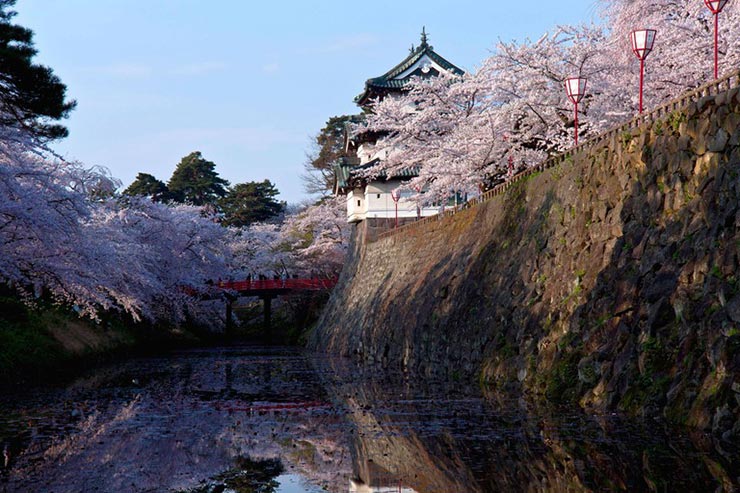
x=380, y=202
x=365, y=152
x=356, y=205
x=376, y=202
x=424, y=61
x=368, y=152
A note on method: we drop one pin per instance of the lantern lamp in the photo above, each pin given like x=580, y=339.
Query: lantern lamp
x=396, y=195
x=642, y=45
x=575, y=88
x=715, y=7
x=642, y=42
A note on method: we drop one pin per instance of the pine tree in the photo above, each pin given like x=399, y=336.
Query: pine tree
x=31, y=96
x=147, y=185
x=196, y=182
x=250, y=202
x=318, y=177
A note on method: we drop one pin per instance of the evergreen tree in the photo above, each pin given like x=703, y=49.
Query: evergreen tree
x=328, y=147
x=31, y=96
x=196, y=182
x=148, y=186
x=247, y=203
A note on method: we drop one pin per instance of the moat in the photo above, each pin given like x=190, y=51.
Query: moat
x=278, y=420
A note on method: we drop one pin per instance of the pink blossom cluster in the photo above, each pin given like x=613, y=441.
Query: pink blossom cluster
x=65, y=237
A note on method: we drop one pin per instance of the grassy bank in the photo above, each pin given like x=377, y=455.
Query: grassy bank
x=48, y=342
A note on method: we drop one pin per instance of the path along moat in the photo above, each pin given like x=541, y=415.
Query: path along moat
x=269, y=420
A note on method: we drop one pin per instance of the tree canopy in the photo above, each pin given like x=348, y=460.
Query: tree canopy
x=31, y=96
x=247, y=203
x=318, y=177
x=195, y=181
x=146, y=185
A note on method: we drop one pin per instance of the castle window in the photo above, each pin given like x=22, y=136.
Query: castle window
x=358, y=203
x=378, y=195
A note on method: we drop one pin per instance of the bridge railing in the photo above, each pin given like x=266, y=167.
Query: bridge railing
x=312, y=284
x=711, y=88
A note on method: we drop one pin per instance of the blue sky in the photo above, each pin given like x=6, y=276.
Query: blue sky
x=246, y=83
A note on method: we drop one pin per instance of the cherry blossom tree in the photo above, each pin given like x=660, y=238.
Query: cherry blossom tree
x=428, y=130
x=682, y=57
x=257, y=251
x=461, y=132
x=311, y=240
x=317, y=238
x=159, y=258
x=41, y=234
x=62, y=234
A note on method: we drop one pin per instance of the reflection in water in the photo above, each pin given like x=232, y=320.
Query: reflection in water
x=273, y=420
x=429, y=436
x=247, y=476
x=159, y=424
x=357, y=486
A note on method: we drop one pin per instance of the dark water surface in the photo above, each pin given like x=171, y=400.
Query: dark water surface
x=274, y=420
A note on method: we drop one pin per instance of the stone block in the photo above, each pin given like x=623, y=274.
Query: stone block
x=683, y=142
x=733, y=96
x=731, y=122
x=705, y=103
x=706, y=162
x=662, y=285
x=733, y=308
x=718, y=142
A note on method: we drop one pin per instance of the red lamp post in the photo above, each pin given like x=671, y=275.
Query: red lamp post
x=716, y=6
x=396, y=195
x=575, y=87
x=642, y=45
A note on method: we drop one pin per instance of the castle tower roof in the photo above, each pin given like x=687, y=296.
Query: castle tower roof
x=422, y=61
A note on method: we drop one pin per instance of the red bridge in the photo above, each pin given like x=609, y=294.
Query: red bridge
x=268, y=287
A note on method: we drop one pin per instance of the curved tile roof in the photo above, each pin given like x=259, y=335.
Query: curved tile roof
x=392, y=81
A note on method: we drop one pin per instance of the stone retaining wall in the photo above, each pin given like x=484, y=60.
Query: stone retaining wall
x=610, y=279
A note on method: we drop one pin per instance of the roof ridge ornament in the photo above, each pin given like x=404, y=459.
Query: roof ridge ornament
x=412, y=48
x=423, y=36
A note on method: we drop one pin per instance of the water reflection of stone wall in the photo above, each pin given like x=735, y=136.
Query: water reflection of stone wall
x=438, y=437
x=611, y=281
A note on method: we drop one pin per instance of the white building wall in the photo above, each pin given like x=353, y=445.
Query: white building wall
x=425, y=63
x=356, y=205
x=369, y=152
x=376, y=202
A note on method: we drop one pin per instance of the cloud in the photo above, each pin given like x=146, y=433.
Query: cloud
x=199, y=68
x=122, y=70
x=271, y=68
